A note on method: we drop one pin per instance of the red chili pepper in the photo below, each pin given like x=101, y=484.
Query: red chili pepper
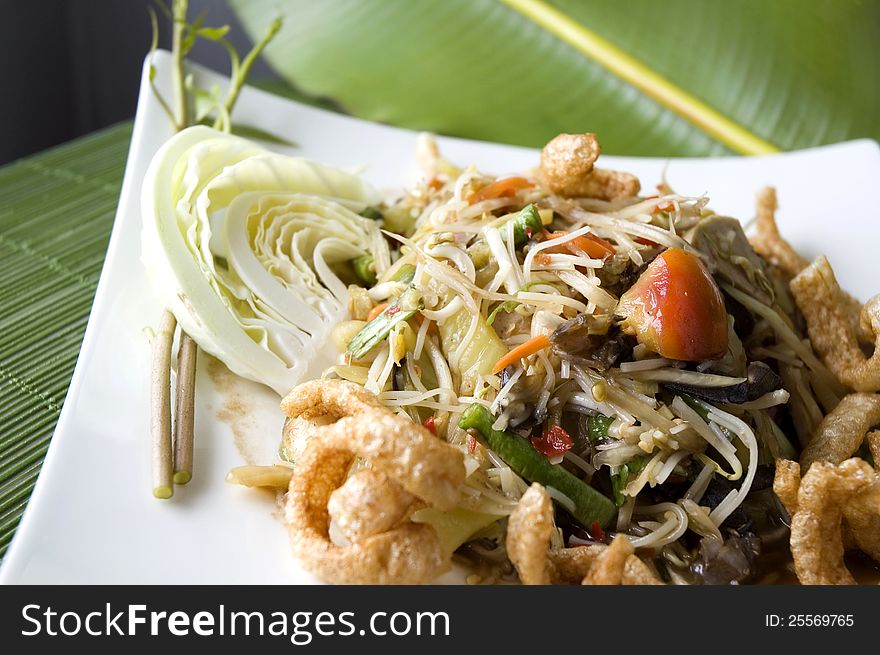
x=471, y=444
x=393, y=310
x=430, y=425
x=597, y=532
x=552, y=442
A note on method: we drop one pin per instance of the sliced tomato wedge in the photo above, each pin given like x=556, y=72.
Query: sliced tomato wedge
x=676, y=309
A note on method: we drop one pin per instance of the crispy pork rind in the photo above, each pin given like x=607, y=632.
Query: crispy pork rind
x=571, y=565
x=408, y=554
x=421, y=464
x=328, y=399
x=786, y=483
x=567, y=169
x=768, y=242
x=862, y=516
x=427, y=467
x=831, y=329
x=296, y=434
x=841, y=433
x=636, y=572
x=529, y=529
x=816, y=527
x=873, y=440
x=368, y=503
x=610, y=564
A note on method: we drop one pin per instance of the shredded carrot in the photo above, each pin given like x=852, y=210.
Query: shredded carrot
x=594, y=246
x=378, y=309
x=432, y=328
x=667, y=206
x=500, y=189
x=530, y=347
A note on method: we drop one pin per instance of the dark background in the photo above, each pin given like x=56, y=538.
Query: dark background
x=70, y=67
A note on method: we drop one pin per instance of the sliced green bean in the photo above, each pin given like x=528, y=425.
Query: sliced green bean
x=590, y=505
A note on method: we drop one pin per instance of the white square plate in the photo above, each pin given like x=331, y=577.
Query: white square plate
x=92, y=518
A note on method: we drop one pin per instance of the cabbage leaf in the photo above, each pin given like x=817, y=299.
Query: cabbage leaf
x=243, y=245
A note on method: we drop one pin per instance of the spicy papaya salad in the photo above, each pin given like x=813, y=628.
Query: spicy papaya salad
x=555, y=378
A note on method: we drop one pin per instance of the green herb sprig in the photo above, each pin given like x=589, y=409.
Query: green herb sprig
x=193, y=105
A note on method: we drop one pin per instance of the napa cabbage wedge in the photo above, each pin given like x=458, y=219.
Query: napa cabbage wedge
x=244, y=247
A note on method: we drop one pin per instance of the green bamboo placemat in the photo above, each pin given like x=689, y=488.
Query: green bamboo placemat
x=56, y=211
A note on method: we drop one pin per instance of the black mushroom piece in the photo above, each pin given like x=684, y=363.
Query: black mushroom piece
x=574, y=341
x=617, y=275
x=732, y=257
x=760, y=380
x=750, y=512
x=399, y=378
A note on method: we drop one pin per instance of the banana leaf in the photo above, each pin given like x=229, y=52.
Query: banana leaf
x=671, y=78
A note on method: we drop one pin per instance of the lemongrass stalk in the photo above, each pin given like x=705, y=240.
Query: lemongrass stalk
x=184, y=413
x=160, y=407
